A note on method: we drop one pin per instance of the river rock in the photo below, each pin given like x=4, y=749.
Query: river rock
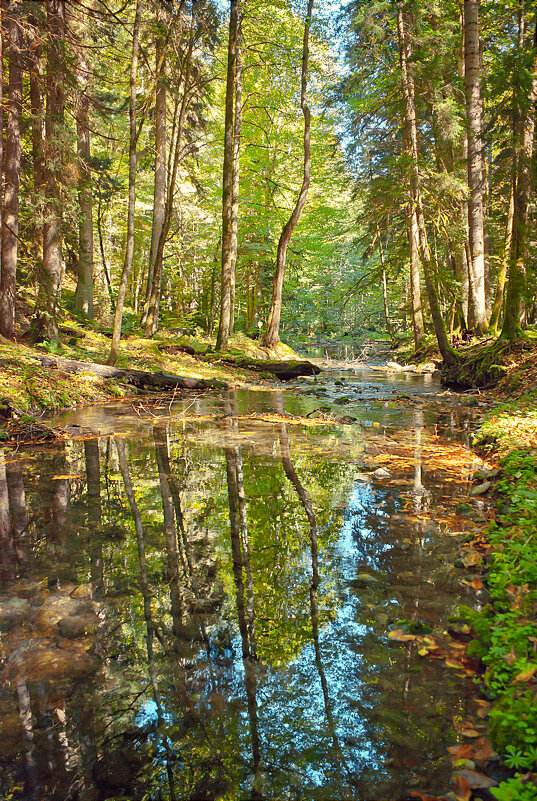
x=73, y=627
x=53, y=664
x=397, y=368
x=481, y=488
x=381, y=472
x=83, y=592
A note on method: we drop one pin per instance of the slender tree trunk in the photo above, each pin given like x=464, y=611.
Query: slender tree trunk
x=51, y=274
x=389, y=326
x=418, y=326
x=227, y=185
x=411, y=135
x=37, y=113
x=272, y=334
x=133, y=141
x=159, y=196
x=153, y=306
x=476, y=160
x=12, y=174
x=84, y=287
x=511, y=328
x=497, y=304
x=236, y=179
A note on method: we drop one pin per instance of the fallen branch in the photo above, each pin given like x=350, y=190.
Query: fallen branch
x=138, y=378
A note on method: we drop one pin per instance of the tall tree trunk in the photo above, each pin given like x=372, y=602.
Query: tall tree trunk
x=497, y=304
x=51, y=274
x=159, y=194
x=227, y=185
x=12, y=174
x=418, y=326
x=449, y=355
x=84, y=287
x=37, y=114
x=153, y=305
x=237, y=128
x=476, y=161
x=133, y=141
x=389, y=326
x=511, y=328
x=272, y=334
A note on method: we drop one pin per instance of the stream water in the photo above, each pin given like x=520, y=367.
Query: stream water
x=196, y=603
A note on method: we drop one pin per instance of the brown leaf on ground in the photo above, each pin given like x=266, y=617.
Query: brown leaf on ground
x=476, y=780
x=484, y=750
x=472, y=558
x=461, y=788
x=464, y=751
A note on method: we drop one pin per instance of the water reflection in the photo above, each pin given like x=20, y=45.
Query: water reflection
x=199, y=610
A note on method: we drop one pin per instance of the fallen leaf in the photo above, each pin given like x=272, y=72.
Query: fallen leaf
x=475, y=780
x=472, y=558
x=452, y=663
x=469, y=732
x=484, y=750
x=526, y=675
x=461, y=788
x=63, y=478
x=482, y=712
x=465, y=751
x=400, y=636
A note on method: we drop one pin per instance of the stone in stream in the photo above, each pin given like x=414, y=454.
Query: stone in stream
x=381, y=472
x=481, y=488
x=76, y=626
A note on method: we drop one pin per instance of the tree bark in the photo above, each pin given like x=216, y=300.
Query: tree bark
x=418, y=326
x=476, y=161
x=272, y=334
x=37, y=113
x=133, y=141
x=159, y=195
x=84, y=287
x=511, y=328
x=449, y=355
x=12, y=175
x=497, y=304
x=51, y=274
x=237, y=128
x=227, y=180
x=153, y=305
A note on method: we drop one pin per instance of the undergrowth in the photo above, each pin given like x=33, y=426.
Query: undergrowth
x=506, y=629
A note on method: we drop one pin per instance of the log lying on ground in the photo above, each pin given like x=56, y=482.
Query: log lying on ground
x=138, y=378
x=284, y=370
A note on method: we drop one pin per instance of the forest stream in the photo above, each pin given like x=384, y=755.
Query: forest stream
x=223, y=597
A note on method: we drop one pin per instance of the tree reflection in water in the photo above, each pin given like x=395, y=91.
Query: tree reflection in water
x=198, y=618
